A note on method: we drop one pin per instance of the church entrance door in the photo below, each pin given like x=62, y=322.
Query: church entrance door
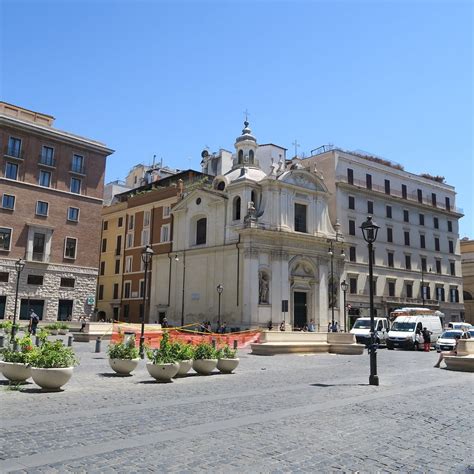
x=299, y=309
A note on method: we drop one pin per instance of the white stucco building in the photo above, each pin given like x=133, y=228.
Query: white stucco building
x=262, y=232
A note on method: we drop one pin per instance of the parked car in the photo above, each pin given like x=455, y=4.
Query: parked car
x=361, y=329
x=402, y=334
x=447, y=340
x=471, y=332
x=459, y=325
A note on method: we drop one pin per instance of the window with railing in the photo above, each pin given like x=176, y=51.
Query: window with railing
x=350, y=176
x=387, y=186
x=14, y=147
x=47, y=156
x=419, y=194
x=368, y=181
x=77, y=165
x=404, y=191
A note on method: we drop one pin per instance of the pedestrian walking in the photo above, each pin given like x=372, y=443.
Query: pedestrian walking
x=33, y=324
x=426, y=339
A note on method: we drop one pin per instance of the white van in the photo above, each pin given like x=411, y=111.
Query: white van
x=459, y=325
x=361, y=329
x=402, y=334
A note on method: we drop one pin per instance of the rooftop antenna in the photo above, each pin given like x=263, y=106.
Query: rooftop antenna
x=296, y=145
x=154, y=156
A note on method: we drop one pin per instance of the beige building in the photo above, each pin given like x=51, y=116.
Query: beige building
x=467, y=262
x=417, y=251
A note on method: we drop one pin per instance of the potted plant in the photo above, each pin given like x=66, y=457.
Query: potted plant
x=15, y=364
x=52, y=328
x=123, y=356
x=227, y=360
x=63, y=328
x=184, y=354
x=163, y=365
x=205, y=358
x=52, y=365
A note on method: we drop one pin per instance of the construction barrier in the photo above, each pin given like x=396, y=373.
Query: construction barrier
x=153, y=335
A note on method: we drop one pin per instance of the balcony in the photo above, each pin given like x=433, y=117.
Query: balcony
x=14, y=153
x=47, y=161
x=78, y=169
x=413, y=197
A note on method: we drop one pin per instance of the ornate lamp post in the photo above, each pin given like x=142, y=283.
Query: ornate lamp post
x=219, y=289
x=176, y=259
x=333, y=288
x=369, y=231
x=344, y=287
x=19, y=266
x=147, y=254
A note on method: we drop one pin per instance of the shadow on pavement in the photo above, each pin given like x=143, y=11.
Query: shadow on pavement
x=339, y=385
x=113, y=375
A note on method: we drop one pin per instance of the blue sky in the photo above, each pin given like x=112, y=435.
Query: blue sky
x=169, y=78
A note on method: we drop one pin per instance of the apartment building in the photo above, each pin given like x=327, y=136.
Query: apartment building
x=137, y=218
x=51, y=186
x=417, y=252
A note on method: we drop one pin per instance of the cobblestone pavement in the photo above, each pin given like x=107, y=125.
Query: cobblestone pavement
x=288, y=413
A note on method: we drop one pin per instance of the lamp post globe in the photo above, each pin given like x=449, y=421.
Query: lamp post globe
x=147, y=254
x=19, y=266
x=369, y=231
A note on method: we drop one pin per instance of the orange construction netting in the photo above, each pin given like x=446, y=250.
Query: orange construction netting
x=153, y=335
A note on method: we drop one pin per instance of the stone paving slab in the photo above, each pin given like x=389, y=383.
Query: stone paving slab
x=288, y=413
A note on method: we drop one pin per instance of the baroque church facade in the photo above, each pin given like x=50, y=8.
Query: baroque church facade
x=262, y=231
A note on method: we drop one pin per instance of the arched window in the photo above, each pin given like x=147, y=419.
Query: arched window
x=236, y=209
x=241, y=156
x=221, y=186
x=251, y=156
x=467, y=295
x=201, y=228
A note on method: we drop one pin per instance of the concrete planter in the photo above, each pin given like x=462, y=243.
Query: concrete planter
x=51, y=379
x=53, y=332
x=163, y=372
x=63, y=331
x=15, y=371
x=226, y=366
x=204, y=366
x=184, y=367
x=123, y=366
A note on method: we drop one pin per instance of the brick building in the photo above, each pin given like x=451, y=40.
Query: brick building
x=137, y=218
x=51, y=186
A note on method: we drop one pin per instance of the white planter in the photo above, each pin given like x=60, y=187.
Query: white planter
x=163, y=372
x=184, y=367
x=123, y=366
x=15, y=371
x=63, y=331
x=204, y=366
x=226, y=366
x=51, y=379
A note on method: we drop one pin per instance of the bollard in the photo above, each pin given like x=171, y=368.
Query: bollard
x=213, y=342
x=97, y=344
x=69, y=341
x=2, y=340
x=235, y=344
x=37, y=341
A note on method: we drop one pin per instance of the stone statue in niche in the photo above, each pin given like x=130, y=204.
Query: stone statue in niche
x=263, y=288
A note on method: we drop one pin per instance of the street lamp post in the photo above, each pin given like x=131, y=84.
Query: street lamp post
x=19, y=266
x=344, y=287
x=219, y=289
x=369, y=231
x=176, y=258
x=331, y=285
x=147, y=254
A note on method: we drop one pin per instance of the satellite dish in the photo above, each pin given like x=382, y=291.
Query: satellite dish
x=204, y=154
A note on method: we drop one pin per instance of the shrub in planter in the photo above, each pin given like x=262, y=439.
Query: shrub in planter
x=184, y=354
x=163, y=364
x=123, y=357
x=52, y=365
x=63, y=328
x=52, y=328
x=227, y=360
x=205, y=358
x=15, y=365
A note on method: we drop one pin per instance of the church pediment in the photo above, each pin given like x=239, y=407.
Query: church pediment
x=303, y=179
